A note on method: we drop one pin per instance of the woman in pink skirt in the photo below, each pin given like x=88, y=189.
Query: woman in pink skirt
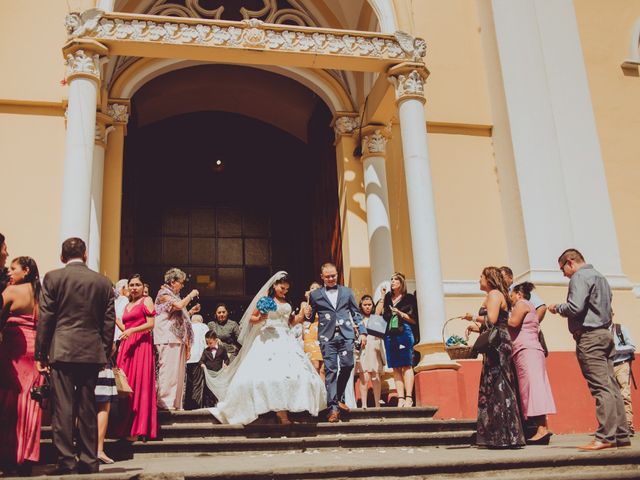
x=536, y=398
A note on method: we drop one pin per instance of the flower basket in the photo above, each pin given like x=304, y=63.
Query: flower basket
x=454, y=346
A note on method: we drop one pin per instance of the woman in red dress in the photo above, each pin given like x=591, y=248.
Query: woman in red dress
x=21, y=416
x=135, y=358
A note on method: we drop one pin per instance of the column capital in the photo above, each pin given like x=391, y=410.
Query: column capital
x=345, y=123
x=118, y=109
x=103, y=128
x=82, y=59
x=374, y=140
x=408, y=79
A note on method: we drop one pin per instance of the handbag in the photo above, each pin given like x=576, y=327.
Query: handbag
x=487, y=340
x=122, y=384
x=376, y=326
x=395, y=327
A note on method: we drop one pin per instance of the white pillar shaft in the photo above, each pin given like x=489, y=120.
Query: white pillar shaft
x=95, y=227
x=378, y=223
x=105, y=5
x=422, y=215
x=78, y=158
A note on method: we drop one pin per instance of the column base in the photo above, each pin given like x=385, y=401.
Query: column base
x=446, y=390
x=434, y=357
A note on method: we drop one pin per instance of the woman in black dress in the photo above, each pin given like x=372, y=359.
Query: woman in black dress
x=499, y=424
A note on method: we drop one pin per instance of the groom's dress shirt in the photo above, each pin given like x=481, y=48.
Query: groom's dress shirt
x=332, y=294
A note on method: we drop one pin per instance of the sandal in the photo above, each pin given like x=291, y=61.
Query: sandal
x=408, y=402
x=400, y=402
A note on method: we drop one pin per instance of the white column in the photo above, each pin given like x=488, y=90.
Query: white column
x=97, y=178
x=105, y=5
x=83, y=77
x=374, y=142
x=560, y=173
x=408, y=80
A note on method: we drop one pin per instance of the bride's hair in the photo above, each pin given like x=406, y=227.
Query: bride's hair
x=283, y=279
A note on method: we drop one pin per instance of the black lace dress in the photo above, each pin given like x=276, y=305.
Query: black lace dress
x=499, y=424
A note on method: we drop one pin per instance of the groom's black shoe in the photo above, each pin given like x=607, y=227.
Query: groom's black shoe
x=344, y=407
x=334, y=416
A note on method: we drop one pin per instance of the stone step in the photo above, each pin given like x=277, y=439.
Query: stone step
x=557, y=462
x=378, y=426
x=208, y=445
x=356, y=414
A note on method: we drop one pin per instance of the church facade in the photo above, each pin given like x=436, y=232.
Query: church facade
x=429, y=137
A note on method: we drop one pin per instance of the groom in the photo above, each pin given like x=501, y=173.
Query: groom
x=337, y=311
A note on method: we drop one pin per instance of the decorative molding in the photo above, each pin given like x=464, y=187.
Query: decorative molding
x=374, y=141
x=270, y=12
x=31, y=107
x=250, y=34
x=345, y=123
x=79, y=64
x=118, y=111
x=80, y=24
x=414, y=47
x=408, y=83
x=633, y=61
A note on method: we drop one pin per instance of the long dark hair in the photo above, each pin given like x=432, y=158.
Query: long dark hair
x=32, y=277
x=283, y=279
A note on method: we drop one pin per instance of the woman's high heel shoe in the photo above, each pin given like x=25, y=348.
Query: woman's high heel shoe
x=408, y=402
x=543, y=440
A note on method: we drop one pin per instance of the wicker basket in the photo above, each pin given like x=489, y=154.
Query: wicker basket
x=459, y=352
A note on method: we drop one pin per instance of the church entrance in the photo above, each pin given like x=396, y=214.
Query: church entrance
x=228, y=189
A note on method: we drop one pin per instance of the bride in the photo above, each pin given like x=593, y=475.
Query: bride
x=271, y=371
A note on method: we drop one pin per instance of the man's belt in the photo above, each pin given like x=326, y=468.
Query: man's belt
x=582, y=330
x=615, y=364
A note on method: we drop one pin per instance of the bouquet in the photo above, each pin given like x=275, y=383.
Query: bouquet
x=456, y=341
x=266, y=305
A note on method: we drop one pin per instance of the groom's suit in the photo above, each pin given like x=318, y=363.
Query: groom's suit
x=336, y=317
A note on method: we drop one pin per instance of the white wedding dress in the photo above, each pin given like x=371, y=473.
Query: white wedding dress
x=273, y=374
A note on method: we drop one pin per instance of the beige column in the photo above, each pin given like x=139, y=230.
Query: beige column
x=408, y=80
x=353, y=215
x=374, y=150
x=118, y=110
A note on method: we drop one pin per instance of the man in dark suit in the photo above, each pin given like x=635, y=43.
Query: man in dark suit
x=338, y=314
x=73, y=340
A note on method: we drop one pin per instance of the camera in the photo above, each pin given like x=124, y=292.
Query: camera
x=41, y=392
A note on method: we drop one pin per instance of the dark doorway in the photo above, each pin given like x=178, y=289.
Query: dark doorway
x=230, y=200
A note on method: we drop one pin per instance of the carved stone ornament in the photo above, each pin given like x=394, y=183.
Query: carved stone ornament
x=248, y=34
x=408, y=85
x=415, y=47
x=294, y=11
x=79, y=63
x=79, y=24
x=119, y=112
x=375, y=143
x=346, y=125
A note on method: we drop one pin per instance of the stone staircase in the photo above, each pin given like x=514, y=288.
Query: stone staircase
x=372, y=444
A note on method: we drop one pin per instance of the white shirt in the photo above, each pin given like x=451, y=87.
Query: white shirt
x=332, y=295
x=199, y=342
x=121, y=302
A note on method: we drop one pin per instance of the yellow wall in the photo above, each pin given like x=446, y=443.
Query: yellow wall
x=31, y=153
x=605, y=33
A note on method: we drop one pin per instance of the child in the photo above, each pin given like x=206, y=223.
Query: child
x=214, y=358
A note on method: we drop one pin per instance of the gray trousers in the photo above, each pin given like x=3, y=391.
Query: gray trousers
x=595, y=350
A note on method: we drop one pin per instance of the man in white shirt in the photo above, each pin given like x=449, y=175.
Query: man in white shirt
x=122, y=300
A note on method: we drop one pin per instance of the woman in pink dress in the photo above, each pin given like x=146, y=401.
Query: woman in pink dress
x=536, y=397
x=135, y=358
x=21, y=416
